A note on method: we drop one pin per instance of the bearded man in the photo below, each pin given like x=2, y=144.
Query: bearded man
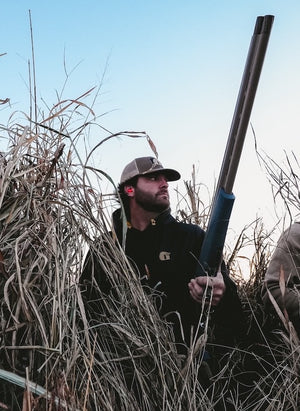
x=164, y=253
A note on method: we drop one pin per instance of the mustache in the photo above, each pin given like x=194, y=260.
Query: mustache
x=163, y=192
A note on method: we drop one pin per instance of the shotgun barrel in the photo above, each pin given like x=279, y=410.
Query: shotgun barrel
x=213, y=244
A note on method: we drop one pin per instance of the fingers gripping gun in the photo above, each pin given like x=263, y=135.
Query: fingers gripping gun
x=212, y=248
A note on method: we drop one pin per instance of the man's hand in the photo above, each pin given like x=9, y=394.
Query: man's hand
x=210, y=288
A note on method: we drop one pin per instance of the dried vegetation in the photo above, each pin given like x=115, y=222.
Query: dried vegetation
x=52, y=356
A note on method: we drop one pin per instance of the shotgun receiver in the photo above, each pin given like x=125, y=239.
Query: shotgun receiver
x=213, y=244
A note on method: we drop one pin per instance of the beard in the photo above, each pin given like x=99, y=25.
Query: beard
x=158, y=202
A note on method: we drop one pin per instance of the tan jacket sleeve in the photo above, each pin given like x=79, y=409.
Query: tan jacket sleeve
x=286, y=259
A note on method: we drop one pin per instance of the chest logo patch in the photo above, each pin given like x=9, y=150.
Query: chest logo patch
x=164, y=256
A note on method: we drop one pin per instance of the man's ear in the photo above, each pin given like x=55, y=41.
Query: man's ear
x=129, y=190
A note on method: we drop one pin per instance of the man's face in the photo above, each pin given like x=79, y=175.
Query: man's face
x=151, y=192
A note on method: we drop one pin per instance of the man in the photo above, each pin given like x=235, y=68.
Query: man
x=164, y=252
x=282, y=279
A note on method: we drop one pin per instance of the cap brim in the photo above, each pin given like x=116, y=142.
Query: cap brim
x=172, y=175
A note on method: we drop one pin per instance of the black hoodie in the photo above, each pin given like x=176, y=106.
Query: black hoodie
x=165, y=256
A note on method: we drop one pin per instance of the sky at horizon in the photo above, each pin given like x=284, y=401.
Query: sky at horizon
x=168, y=68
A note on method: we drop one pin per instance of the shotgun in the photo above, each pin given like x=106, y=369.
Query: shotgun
x=212, y=248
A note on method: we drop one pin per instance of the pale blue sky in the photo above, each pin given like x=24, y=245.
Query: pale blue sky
x=173, y=70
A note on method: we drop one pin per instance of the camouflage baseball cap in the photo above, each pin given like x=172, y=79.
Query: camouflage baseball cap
x=147, y=165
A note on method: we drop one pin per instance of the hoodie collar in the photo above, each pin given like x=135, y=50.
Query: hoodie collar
x=163, y=217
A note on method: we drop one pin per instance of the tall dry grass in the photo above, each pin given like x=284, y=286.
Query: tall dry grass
x=53, y=357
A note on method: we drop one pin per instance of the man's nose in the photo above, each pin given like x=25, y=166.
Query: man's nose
x=164, y=181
